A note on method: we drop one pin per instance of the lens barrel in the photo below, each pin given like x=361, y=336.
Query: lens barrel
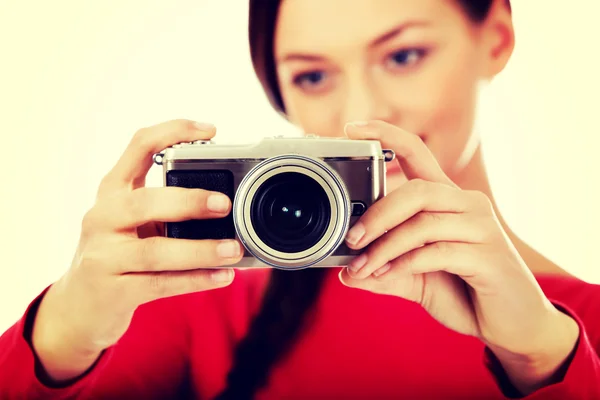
x=291, y=211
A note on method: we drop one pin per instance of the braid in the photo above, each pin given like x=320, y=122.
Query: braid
x=287, y=300
x=289, y=296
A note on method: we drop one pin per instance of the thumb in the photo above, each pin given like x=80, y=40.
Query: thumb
x=404, y=284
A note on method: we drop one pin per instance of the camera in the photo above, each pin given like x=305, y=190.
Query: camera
x=294, y=198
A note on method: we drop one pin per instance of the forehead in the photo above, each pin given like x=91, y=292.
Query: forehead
x=313, y=25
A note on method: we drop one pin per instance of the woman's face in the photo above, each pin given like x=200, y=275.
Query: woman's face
x=414, y=63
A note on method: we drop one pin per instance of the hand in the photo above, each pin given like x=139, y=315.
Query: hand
x=432, y=243
x=123, y=261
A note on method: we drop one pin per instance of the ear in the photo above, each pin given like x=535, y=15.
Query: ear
x=499, y=38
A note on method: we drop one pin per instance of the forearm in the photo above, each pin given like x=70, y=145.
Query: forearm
x=59, y=359
x=21, y=375
x=62, y=352
x=138, y=366
x=543, y=366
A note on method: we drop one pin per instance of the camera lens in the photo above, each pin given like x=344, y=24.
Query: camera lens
x=290, y=212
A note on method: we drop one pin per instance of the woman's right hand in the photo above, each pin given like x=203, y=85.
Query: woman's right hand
x=123, y=260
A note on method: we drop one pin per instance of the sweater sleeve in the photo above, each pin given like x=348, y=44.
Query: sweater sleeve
x=148, y=362
x=579, y=376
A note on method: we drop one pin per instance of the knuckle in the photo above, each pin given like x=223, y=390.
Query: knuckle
x=198, y=281
x=89, y=221
x=158, y=284
x=376, y=216
x=442, y=248
x=180, y=123
x=192, y=199
x=415, y=141
x=186, y=124
x=141, y=133
x=410, y=145
x=207, y=255
x=133, y=204
x=488, y=230
x=104, y=184
x=193, y=129
x=378, y=126
x=91, y=258
x=376, y=210
x=142, y=138
x=481, y=201
x=201, y=253
x=419, y=186
x=430, y=217
x=109, y=185
x=407, y=261
x=424, y=222
x=418, y=219
x=146, y=253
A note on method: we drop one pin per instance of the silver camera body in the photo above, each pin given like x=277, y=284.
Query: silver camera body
x=294, y=198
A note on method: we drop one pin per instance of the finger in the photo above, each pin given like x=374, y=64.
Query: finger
x=157, y=254
x=407, y=286
x=420, y=230
x=163, y=204
x=403, y=203
x=157, y=285
x=461, y=259
x=135, y=162
x=414, y=156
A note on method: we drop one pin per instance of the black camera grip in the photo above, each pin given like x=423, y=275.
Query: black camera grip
x=213, y=180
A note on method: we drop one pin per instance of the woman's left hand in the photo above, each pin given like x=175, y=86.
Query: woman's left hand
x=432, y=243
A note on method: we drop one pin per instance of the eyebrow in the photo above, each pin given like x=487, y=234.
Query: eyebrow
x=385, y=37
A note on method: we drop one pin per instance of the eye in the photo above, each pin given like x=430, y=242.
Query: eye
x=312, y=80
x=405, y=58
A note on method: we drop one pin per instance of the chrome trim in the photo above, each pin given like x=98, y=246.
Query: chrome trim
x=158, y=158
x=171, y=162
x=389, y=155
x=332, y=261
x=338, y=198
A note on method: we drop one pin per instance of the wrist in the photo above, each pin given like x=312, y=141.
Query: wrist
x=540, y=365
x=62, y=353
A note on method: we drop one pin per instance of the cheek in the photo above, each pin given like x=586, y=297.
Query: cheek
x=311, y=119
x=450, y=124
x=312, y=115
x=440, y=106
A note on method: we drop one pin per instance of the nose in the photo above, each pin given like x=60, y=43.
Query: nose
x=365, y=100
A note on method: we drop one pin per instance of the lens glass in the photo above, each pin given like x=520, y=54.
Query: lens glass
x=290, y=212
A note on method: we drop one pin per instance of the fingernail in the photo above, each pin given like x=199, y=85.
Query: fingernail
x=204, y=126
x=217, y=202
x=357, y=124
x=355, y=234
x=358, y=263
x=222, y=275
x=229, y=249
x=383, y=270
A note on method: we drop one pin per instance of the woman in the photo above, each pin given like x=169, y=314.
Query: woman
x=446, y=303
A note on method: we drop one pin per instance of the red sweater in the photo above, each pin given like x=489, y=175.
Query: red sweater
x=184, y=344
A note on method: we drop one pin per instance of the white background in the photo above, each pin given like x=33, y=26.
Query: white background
x=78, y=78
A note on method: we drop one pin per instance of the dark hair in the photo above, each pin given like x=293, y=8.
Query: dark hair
x=289, y=296
x=261, y=30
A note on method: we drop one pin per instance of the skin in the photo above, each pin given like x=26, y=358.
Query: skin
x=408, y=73
x=433, y=96
x=122, y=260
